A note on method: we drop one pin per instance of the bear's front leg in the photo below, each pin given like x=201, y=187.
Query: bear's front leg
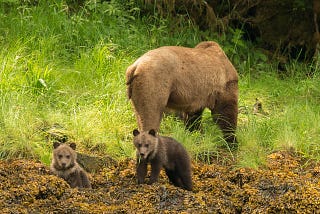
x=155, y=171
x=141, y=170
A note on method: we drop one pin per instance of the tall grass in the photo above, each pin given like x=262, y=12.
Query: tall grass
x=65, y=72
x=290, y=119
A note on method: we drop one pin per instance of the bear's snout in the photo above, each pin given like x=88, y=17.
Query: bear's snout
x=142, y=155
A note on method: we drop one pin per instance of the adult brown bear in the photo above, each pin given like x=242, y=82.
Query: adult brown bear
x=188, y=80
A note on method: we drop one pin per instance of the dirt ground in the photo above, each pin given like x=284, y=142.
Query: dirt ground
x=288, y=184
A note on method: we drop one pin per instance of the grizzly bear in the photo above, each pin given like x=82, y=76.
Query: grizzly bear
x=187, y=80
x=64, y=165
x=160, y=152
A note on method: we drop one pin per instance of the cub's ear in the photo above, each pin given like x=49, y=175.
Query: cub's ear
x=152, y=132
x=73, y=146
x=56, y=145
x=135, y=132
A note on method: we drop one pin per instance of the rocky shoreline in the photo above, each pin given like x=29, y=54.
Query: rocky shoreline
x=286, y=185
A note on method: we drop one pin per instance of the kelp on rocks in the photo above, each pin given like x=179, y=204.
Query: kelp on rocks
x=283, y=186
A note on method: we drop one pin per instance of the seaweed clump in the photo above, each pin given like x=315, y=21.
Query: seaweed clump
x=285, y=185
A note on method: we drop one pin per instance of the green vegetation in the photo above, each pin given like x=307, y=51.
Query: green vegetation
x=65, y=72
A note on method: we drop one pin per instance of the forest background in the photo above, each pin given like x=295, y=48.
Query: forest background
x=62, y=76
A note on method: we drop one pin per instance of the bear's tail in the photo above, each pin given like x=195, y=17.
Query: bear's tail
x=130, y=77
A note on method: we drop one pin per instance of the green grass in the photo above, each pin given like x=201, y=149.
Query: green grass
x=291, y=119
x=67, y=72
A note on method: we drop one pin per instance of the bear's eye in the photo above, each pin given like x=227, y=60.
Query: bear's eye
x=68, y=156
x=139, y=145
x=60, y=156
x=147, y=145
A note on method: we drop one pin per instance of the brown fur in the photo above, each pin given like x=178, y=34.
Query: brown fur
x=162, y=152
x=187, y=80
x=64, y=165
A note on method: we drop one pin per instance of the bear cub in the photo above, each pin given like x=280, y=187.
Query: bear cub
x=160, y=152
x=64, y=165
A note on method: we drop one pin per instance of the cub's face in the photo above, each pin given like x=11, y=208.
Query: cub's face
x=145, y=142
x=64, y=156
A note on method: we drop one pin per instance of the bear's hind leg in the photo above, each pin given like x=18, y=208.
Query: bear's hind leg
x=173, y=178
x=186, y=181
x=184, y=174
x=180, y=179
x=193, y=120
x=149, y=101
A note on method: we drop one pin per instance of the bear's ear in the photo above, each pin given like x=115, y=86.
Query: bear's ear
x=152, y=132
x=56, y=145
x=73, y=146
x=135, y=132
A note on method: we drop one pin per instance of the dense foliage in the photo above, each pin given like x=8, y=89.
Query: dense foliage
x=62, y=74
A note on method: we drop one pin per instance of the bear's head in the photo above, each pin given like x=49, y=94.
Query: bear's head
x=64, y=155
x=146, y=143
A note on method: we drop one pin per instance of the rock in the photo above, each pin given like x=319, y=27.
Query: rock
x=94, y=163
